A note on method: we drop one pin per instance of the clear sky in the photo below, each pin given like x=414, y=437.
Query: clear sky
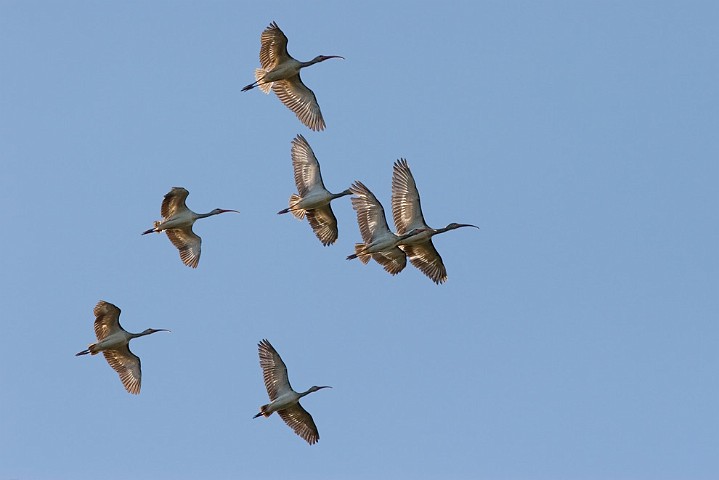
x=576, y=337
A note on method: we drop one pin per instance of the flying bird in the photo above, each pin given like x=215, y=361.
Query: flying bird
x=281, y=73
x=379, y=242
x=313, y=199
x=114, y=343
x=284, y=400
x=177, y=221
x=407, y=213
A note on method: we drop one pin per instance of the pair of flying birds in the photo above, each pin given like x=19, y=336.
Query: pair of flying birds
x=114, y=343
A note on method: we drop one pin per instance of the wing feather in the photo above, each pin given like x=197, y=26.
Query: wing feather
x=393, y=261
x=370, y=213
x=306, y=167
x=173, y=202
x=188, y=243
x=107, y=319
x=323, y=223
x=299, y=420
x=127, y=366
x=274, y=370
x=406, y=206
x=301, y=100
x=426, y=258
x=273, y=47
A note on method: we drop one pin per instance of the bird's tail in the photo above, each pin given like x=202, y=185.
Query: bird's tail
x=259, y=75
x=359, y=253
x=91, y=350
x=153, y=229
x=297, y=212
x=263, y=411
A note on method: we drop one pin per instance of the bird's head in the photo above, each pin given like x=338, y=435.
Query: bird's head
x=154, y=330
x=453, y=226
x=322, y=58
x=217, y=211
x=314, y=388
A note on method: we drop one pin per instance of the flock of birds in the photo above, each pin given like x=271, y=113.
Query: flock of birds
x=280, y=73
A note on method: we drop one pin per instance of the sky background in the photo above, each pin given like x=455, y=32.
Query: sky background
x=576, y=337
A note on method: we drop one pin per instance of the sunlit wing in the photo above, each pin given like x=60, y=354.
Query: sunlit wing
x=273, y=47
x=301, y=100
x=107, y=319
x=173, y=202
x=323, y=223
x=370, y=214
x=406, y=207
x=306, y=167
x=274, y=370
x=426, y=258
x=188, y=243
x=393, y=261
x=127, y=366
x=299, y=420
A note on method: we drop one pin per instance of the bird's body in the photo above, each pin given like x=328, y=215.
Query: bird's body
x=177, y=221
x=284, y=400
x=113, y=342
x=281, y=74
x=379, y=242
x=313, y=199
x=407, y=214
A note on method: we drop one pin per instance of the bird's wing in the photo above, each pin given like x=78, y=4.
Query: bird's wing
x=127, y=366
x=370, y=214
x=107, y=319
x=273, y=47
x=406, y=207
x=188, y=243
x=299, y=420
x=301, y=100
x=426, y=258
x=274, y=370
x=174, y=201
x=323, y=223
x=306, y=166
x=393, y=261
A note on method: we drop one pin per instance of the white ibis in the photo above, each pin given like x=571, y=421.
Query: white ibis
x=281, y=73
x=379, y=242
x=284, y=400
x=114, y=343
x=407, y=213
x=313, y=199
x=177, y=221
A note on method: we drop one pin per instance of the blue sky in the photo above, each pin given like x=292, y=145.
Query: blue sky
x=576, y=337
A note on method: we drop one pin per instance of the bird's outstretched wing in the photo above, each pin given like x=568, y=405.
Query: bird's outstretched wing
x=273, y=47
x=299, y=420
x=306, y=167
x=274, y=370
x=107, y=319
x=406, y=207
x=301, y=100
x=323, y=223
x=370, y=213
x=188, y=243
x=426, y=258
x=127, y=366
x=174, y=201
x=393, y=261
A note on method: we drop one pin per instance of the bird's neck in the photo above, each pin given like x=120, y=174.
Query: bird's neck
x=342, y=194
